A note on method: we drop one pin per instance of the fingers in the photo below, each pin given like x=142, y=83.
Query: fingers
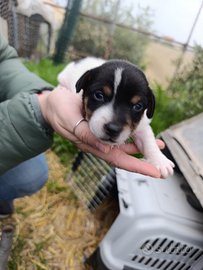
x=86, y=136
x=160, y=144
x=119, y=159
x=131, y=148
x=122, y=160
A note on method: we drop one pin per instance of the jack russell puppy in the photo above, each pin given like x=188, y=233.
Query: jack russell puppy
x=118, y=104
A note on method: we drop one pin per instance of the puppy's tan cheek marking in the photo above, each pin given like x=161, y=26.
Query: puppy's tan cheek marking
x=107, y=91
x=88, y=113
x=135, y=99
x=130, y=126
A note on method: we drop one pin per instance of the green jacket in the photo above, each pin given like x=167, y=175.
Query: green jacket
x=22, y=134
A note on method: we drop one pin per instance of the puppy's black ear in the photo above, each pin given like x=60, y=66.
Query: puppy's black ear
x=151, y=104
x=81, y=83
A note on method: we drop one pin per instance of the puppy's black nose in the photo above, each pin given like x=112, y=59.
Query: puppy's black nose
x=112, y=130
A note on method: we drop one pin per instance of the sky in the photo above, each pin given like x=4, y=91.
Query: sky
x=173, y=18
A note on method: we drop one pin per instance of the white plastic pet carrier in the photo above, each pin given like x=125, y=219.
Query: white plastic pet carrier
x=160, y=223
x=160, y=226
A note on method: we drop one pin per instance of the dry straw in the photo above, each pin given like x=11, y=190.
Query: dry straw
x=57, y=230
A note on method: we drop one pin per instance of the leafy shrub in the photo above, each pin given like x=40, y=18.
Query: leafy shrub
x=187, y=87
x=91, y=36
x=167, y=111
x=63, y=148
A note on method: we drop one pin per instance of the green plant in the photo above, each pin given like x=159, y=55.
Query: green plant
x=187, y=87
x=92, y=36
x=129, y=46
x=63, y=148
x=167, y=111
x=55, y=188
x=46, y=70
x=17, y=247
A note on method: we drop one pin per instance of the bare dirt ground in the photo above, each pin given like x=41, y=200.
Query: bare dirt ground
x=159, y=58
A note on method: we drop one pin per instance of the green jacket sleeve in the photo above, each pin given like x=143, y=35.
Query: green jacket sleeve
x=22, y=136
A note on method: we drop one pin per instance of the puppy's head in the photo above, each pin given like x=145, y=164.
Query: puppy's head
x=116, y=95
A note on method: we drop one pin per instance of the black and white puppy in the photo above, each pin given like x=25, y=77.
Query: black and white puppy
x=118, y=104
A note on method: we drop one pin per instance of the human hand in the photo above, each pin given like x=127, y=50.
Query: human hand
x=61, y=109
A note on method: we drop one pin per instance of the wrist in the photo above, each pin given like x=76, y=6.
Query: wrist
x=42, y=98
x=35, y=103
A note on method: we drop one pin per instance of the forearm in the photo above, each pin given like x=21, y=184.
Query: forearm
x=22, y=135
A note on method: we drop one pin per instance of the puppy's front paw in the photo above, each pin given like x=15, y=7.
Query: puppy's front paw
x=163, y=164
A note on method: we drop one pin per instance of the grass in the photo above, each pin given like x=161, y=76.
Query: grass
x=53, y=187
x=18, y=244
x=46, y=70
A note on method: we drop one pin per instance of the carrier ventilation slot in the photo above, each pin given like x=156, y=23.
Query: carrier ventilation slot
x=148, y=261
x=174, y=248
x=161, y=245
x=161, y=264
x=198, y=256
x=175, y=266
x=141, y=260
x=194, y=253
x=169, y=247
x=181, y=267
x=167, y=266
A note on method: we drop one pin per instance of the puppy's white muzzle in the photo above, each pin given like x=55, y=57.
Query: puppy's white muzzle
x=101, y=125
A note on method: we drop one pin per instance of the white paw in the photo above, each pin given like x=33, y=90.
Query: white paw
x=163, y=164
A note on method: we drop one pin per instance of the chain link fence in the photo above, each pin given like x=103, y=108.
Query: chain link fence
x=104, y=35
x=93, y=37
x=29, y=35
x=97, y=35
x=106, y=31
x=114, y=31
x=7, y=20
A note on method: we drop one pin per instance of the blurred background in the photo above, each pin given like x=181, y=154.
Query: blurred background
x=151, y=34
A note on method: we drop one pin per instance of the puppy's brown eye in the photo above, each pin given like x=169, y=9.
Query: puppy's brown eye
x=99, y=96
x=137, y=107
